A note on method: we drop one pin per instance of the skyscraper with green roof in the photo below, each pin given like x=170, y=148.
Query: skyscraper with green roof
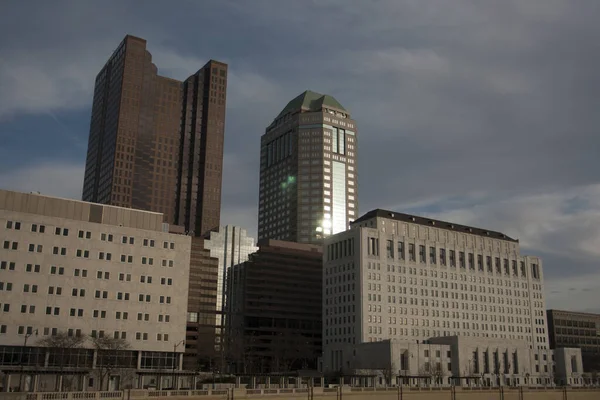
x=308, y=171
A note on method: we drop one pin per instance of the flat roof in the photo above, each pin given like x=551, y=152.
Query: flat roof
x=379, y=213
x=574, y=313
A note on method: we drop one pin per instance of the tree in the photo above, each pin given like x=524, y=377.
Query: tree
x=291, y=351
x=388, y=372
x=61, y=350
x=112, y=354
x=437, y=373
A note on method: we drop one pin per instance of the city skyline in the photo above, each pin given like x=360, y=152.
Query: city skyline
x=494, y=147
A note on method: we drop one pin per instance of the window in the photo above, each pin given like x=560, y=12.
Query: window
x=411, y=252
x=11, y=266
x=36, y=228
x=389, y=248
x=401, y=250
x=422, y=254
x=13, y=225
x=452, y=258
x=432, y=253
x=443, y=257
x=461, y=259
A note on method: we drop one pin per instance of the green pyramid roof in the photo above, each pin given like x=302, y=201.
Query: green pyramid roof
x=311, y=101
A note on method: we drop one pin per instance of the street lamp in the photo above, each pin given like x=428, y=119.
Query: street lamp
x=27, y=336
x=175, y=346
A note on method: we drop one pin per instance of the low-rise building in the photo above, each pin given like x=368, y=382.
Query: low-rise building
x=456, y=360
x=82, y=270
x=577, y=329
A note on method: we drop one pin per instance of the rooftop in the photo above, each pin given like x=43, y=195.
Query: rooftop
x=49, y=206
x=433, y=222
x=568, y=313
x=311, y=101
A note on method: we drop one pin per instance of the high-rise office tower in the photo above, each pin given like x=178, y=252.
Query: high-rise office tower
x=308, y=176
x=201, y=153
x=156, y=143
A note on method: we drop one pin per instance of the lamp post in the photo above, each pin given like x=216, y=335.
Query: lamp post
x=27, y=336
x=175, y=346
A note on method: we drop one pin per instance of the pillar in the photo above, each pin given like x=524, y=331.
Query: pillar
x=253, y=382
x=140, y=384
x=194, y=379
x=181, y=361
x=83, y=382
x=60, y=383
x=7, y=382
x=268, y=382
x=238, y=382
x=139, y=360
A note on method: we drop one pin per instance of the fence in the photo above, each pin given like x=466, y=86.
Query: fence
x=338, y=393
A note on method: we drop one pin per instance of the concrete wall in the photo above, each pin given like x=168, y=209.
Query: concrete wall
x=348, y=393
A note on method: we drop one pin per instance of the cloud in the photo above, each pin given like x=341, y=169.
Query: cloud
x=479, y=111
x=48, y=178
x=561, y=226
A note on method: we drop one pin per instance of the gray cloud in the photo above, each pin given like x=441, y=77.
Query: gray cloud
x=479, y=111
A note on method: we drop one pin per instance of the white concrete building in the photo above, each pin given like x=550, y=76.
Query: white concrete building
x=457, y=360
x=91, y=270
x=407, y=278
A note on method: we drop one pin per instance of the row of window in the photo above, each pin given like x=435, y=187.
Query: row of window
x=506, y=266
x=16, y=225
x=27, y=288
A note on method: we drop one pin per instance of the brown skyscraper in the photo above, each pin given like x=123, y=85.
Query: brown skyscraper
x=201, y=154
x=157, y=143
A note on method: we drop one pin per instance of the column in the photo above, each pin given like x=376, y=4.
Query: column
x=238, y=382
x=268, y=382
x=83, y=382
x=140, y=384
x=60, y=383
x=139, y=360
x=35, y=383
x=253, y=382
x=181, y=361
x=194, y=378
x=7, y=382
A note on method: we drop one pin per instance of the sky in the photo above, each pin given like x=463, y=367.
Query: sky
x=481, y=112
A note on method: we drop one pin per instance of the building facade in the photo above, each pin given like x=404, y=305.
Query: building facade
x=576, y=329
x=232, y=246
x=398, y=276
x=156, y=143
x=275, y=303
x=308, y=171
x=458, y=360
x=200, y=351
x=199, y=180
x=89, y=270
